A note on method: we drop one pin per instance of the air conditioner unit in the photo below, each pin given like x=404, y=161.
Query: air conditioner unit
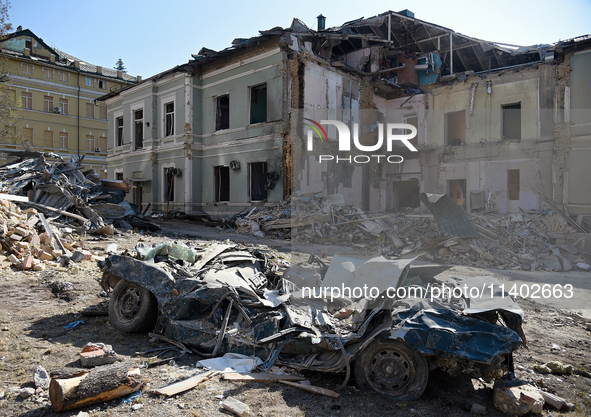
x=97, y=149
x=234, y=165
x=57, y=110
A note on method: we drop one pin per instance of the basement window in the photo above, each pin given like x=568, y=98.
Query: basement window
x=222, y=118
x=257, y=173
x=138, y=134
x=455, y=128
x=222, y=183
x=511, y=121
x=168, y=184
x=513, y=184
x=258, y=104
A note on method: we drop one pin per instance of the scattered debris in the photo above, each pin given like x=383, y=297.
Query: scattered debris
x=260, y=377
x=185, y=385
x=236, y=407
x=312, y=388
x=517, y=401
x=97, y=354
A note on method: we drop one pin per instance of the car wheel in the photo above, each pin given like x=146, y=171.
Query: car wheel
x=132, y=308
x=391, y=368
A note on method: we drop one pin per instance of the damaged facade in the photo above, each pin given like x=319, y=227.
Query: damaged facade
x=499, y=127
x=57, y=92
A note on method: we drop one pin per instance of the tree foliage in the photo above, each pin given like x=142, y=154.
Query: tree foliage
x=119, y=65
x=9, y=104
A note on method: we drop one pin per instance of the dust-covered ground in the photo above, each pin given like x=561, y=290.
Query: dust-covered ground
x=35, y=307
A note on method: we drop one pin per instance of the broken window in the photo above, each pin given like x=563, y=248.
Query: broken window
x=258, y=104
x=258, y=178
x=457, y=191
x=169, y=184
x=119, y=134
x=512, y=121
x=222, y=183
x=48, y=103
x=406, y=194
x=119, y=176
x=48, y=138
x=64, y=106
x=222, y=118
x=138, y=135
x=27, y=100
x=169, y=119
x=513, y=184
x=455, y=128
x=101, y=84
x=90, y=110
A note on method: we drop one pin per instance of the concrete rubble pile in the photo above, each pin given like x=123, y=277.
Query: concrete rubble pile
x=526, y=240
x=74, y=197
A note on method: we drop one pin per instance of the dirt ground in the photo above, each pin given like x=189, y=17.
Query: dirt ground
x=35, y=307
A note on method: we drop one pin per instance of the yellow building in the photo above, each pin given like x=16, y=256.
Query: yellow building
x=57, y=94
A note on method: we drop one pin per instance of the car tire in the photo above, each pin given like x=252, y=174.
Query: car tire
x=132, y=308
x=393, y=369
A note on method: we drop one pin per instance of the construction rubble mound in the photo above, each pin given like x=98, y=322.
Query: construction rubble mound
x=45, y=199
x=527, y=240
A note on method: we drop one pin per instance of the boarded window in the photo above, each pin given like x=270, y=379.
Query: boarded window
x=258, y=179
x=48, y=138
x=511, y=121
x=90, y=143
x=169, y=119
x=138, y=130
x=222, y=119
x=169, y=184
x=119, y=134
x=27, y=99
x=258, y=104
x=513, y=184
x=63, y=141
x=103, y=112
x=64, y=76
x=90, y=110
x=64, y=106
x=103, y=143
x=455, y=128
x=48, y=103
x=28, y=135
x=48, y=73
x=222, y=183
x=27, y=68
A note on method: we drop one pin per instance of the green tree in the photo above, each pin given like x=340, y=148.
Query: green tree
x=9, y=104
x=119, y=66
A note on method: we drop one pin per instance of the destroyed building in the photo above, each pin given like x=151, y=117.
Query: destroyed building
x=498, y=126
x=57, y=91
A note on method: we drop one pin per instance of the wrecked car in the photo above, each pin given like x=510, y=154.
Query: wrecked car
x=232, y=298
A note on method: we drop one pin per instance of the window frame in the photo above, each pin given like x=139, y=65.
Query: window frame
x=508, y=111
x=64, y=76
x=218, y=112
x=26, y=67
x=251, y=95
x=27, y=99
x=119, y=133
x=217, y=187
x=48, y=104
x=47, y=72
x=251, y=178
x=61, y=137
x=166, y=113
x=135, y=124
x=64, y=106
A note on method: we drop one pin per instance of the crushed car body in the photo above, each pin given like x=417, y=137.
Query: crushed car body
x=233, y=298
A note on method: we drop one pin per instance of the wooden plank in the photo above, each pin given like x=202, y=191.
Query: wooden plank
x=11, y=197
x=312, y=388
x=185, y=385
x=260, y=377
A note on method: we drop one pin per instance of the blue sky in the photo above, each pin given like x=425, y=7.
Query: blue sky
x=152, y=36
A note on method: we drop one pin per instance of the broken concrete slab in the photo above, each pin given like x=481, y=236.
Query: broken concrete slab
x=517, y=401
x=97, y=354
x=236, y=407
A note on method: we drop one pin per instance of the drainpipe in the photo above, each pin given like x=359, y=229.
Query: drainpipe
x=472, y=99
x=78, y=82
x=451, y=54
